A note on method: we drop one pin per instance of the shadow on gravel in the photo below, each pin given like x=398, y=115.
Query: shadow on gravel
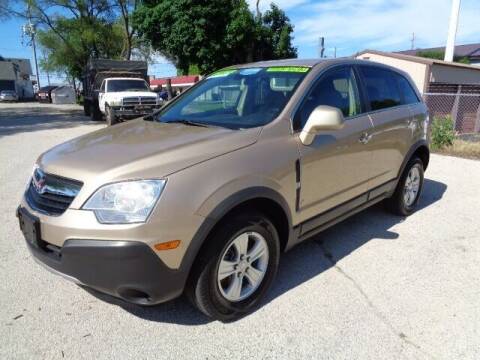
x=302, y=263
x=30, y=119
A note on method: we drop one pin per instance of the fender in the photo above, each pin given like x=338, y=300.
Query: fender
x=413, y=148
x=221, y=210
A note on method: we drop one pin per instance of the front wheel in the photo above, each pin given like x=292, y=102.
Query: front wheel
x=405, y=198
x=110, y=116
x=236, y=268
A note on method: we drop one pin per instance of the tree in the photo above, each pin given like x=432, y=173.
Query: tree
x=4, y=9
x=279, y=32
x=213, y=34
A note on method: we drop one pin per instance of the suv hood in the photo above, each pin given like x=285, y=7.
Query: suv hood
x=141, y=149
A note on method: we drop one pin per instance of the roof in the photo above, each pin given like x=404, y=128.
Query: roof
x=467, y=50
x=6, y=71
x=24, y=66
x=418, y=59
x=185, y=80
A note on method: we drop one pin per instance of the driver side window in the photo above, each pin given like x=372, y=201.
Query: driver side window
x=336, y=88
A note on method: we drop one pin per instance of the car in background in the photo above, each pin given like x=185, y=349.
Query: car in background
x=45, y=93
x=8, y=95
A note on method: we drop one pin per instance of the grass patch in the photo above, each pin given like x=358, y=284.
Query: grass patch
x=461, y=148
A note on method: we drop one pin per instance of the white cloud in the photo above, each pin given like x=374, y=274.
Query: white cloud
x=283, y=4
x=383, y=24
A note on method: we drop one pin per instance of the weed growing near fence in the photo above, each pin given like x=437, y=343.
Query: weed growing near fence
x=443, y=132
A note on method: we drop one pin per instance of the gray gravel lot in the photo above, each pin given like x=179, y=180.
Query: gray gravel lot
x=373, y=287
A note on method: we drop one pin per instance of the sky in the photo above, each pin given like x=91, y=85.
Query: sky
x=347, y=25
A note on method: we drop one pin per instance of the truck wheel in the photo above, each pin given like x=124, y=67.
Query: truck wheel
x=110, y=116
x=95, y=113
x=86, y=107
x=236, y=268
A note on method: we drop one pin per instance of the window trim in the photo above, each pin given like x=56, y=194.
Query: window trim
x=315, y=82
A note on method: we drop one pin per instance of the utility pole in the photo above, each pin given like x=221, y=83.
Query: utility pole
x=413, y=41
x=335, y=52
x=321, y=47
x=452, y=31
x=30, y=31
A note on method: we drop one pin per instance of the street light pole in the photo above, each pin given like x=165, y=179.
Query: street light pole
x=452, y=31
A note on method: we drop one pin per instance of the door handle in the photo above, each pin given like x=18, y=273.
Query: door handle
x=365, y=138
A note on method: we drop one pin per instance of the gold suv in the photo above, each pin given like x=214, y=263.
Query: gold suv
x=205, y=195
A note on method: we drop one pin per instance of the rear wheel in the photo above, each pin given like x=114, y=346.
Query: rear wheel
x=405, y=198
x=86, y=107
x=95, y=113
x=237, y=267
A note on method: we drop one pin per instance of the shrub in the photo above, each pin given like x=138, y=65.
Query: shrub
x=443, y=132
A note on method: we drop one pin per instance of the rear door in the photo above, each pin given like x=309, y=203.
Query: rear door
x=335, y=168
x=391, y=118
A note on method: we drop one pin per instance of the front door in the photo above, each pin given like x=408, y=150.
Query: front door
x=335, y=168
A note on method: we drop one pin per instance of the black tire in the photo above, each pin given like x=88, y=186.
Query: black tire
x=110, y=116
x=397, y=203
x=95, y=113
x=203, y=289
x=86, y=107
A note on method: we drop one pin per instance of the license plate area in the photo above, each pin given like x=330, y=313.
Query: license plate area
x=30, y=226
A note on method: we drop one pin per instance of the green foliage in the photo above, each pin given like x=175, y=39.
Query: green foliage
x=443, y=132
x=440, y=55
x=74, y=41
x=213, y=34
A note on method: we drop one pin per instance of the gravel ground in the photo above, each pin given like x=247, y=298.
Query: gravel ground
x=373, y=287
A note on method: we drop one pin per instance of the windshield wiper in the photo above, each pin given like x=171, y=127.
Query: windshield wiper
x=186, y=122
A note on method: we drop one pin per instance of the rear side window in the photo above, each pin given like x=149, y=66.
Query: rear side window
x=382, y=88
x=409, y=95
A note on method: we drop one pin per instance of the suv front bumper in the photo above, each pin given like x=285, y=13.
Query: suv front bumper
x=129, y=270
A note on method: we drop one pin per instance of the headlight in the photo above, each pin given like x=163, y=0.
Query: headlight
x=116, y=102
x=125, y=202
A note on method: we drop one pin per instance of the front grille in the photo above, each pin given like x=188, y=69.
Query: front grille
x=51, y=194
x=139, y=100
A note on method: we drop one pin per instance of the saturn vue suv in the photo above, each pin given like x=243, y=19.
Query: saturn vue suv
x=203, y=196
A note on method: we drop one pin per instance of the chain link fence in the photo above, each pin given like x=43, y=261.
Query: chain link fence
x=462, y=104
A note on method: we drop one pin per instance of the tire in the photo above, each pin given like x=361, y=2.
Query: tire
x=95, y=113
x=110, y=116
x=401, y=203
x=210, y=294
x=86, y=107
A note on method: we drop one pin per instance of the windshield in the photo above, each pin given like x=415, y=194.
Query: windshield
x=126, y=85
x=237, y=98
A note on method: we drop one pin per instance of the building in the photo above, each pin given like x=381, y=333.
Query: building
x=179, y=83
x=15, y=74
x=424, y=71
x=468, y=51
x=449, y=89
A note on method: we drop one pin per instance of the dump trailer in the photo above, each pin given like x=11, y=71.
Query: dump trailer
x=98, y=70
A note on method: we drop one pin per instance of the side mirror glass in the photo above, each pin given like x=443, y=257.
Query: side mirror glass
x=322, y=118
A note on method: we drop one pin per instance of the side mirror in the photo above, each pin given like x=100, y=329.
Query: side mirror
x=322, y=118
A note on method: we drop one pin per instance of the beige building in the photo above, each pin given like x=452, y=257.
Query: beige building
x=425, y=72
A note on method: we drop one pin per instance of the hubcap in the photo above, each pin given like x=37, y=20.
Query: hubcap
x=412, y=186
x=243, y=266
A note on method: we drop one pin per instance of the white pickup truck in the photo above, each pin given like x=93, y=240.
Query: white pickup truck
x=126, y=98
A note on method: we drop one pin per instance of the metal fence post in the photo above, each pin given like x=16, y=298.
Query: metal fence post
x=456, y=106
